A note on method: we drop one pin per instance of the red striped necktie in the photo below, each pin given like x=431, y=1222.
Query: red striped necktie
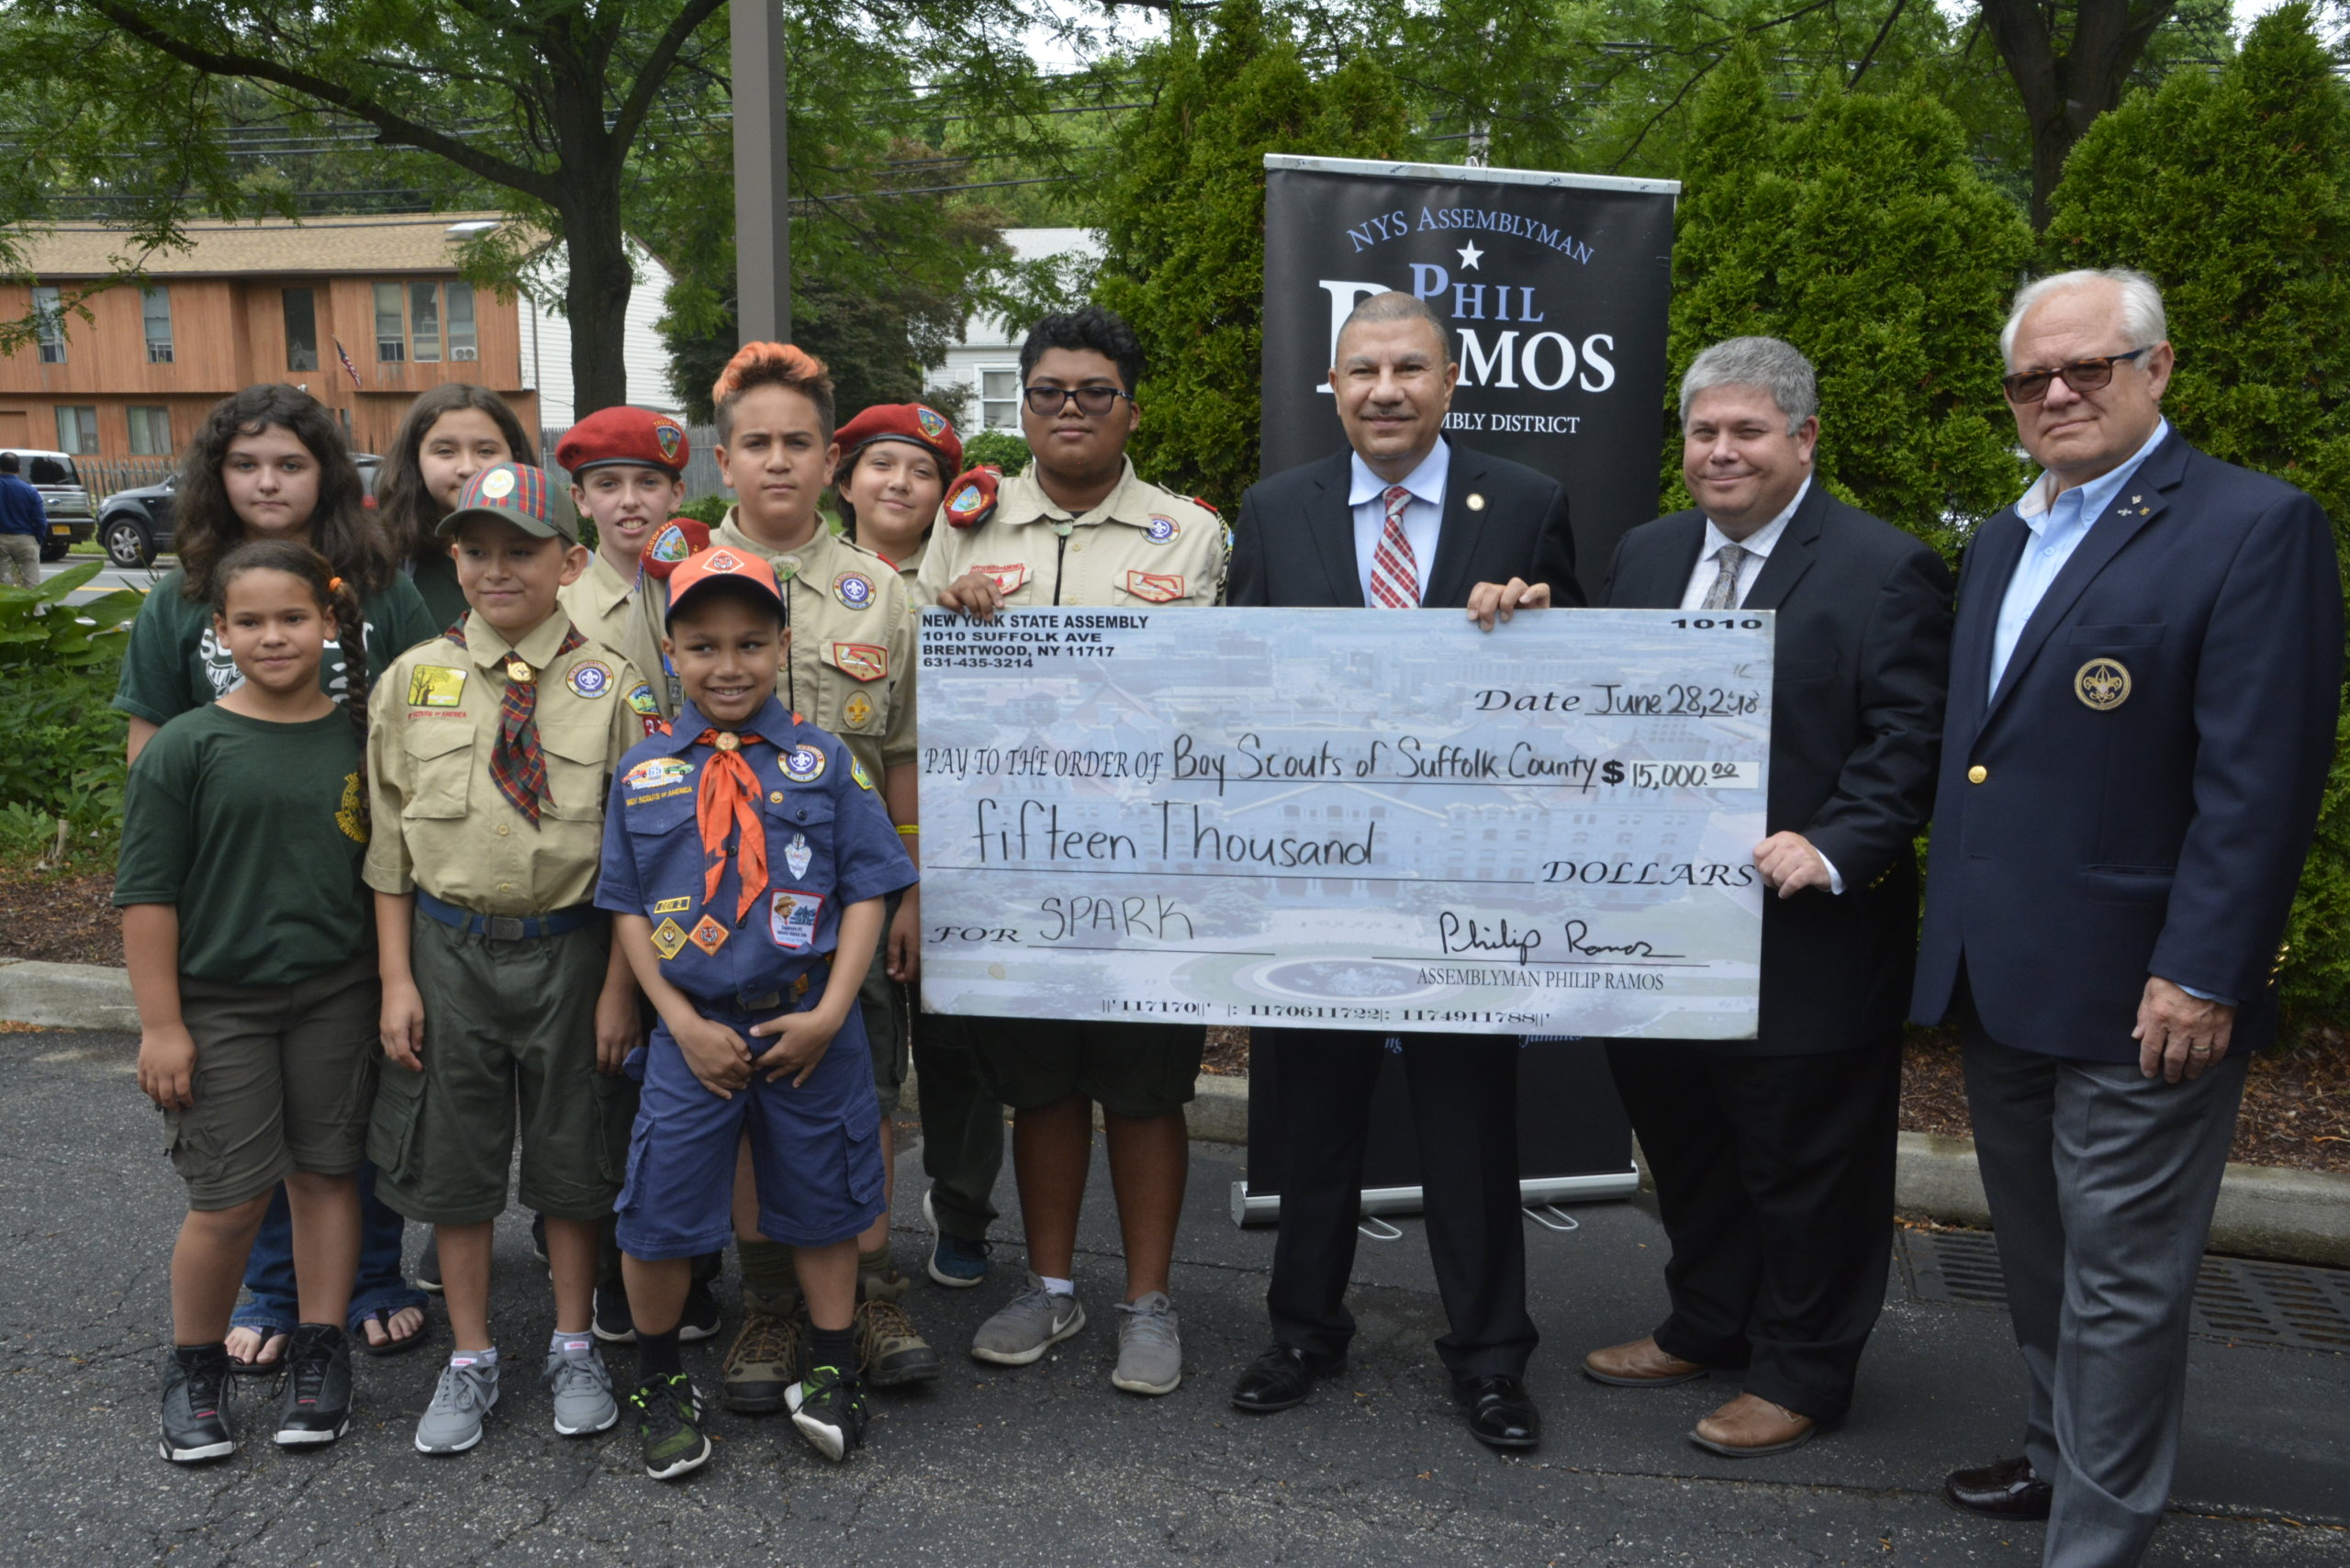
x=1394, y=571
x=518, y=765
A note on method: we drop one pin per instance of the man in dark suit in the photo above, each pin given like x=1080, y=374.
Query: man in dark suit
x=1773, y=1158
x=1403, y=521
x=2144, y=686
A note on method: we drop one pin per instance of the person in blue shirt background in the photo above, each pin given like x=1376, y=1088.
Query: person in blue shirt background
x=747, y=856
x=24, y=523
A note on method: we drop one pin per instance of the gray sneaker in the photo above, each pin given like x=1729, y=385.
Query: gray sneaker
x=582, y=1388
x=1031, y=1323
x=1150, y=1350
x=467, y=1392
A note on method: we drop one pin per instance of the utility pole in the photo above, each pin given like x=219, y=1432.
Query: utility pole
x=762, y=174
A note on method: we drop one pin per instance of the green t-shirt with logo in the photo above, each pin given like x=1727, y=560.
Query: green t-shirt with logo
x=174, y=662
x=256, y=831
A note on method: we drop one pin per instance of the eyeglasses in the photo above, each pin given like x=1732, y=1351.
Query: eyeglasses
x=1091, y=401
x=2081, y=375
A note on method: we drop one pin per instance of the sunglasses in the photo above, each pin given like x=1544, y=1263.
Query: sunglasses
x=1091, y=401
x=2081, y=375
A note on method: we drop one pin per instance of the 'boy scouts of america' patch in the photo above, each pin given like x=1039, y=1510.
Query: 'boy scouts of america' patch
x=670, y=544
x=435, y=686
x=857, y=711
x=1162, y=528
x=854, y=589
x=2102, y=683
x=670, y=437
x=933, y=423
x=1156, y=587
x=861, y=660
x=803, y=765
x=590, y=678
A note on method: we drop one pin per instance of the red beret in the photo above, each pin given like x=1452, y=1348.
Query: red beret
x=914, y=422
x=637, y=436
x=672, y=543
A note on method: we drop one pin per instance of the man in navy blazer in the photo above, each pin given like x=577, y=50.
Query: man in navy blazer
x=1774, y=1157
x=1403, y=520
x=2143, y=684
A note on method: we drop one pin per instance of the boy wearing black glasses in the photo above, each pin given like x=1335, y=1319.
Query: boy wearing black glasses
x=1080, y=528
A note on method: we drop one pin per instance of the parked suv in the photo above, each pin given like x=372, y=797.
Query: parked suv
x=59, y=484
x=135, y=525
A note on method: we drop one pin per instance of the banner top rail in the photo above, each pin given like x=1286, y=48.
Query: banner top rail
x=1396, y=170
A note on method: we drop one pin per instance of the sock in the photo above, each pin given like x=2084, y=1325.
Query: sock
x=474, y=1357
x=766, y=1267
x=564, y=1340
x=1058, y=1287
x=656, y=1356
x=832, y=1347
x=876, y=1261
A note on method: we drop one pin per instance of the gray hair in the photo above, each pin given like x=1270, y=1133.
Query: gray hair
x=2142, y=321
x=1775, y=368
x=1397, y=305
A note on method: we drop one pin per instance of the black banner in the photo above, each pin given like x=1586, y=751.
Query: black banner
x=1556, y=286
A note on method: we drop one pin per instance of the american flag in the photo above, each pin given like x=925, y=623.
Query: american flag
x=349, y=369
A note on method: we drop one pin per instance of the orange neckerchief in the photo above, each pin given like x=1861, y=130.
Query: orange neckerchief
x=728, y=798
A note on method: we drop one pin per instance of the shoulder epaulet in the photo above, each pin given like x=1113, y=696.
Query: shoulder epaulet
x=1205, y=505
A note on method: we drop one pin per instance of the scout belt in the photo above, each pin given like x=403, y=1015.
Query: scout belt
x=508, y=928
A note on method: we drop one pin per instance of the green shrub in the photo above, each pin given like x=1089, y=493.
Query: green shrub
x=710, y=509
x=2233, y=191
x=1006, y=449
x=61, y=746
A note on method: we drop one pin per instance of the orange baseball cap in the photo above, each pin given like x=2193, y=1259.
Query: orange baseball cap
x=725, y=566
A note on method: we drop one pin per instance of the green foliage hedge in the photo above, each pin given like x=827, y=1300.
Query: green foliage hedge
x=61, y=746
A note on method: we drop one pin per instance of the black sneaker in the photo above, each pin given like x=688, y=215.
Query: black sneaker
x=828, y=1407
x=613, y=1323
x=316, y=1407
x=428, y=1268
x=668, y=1425
x=539, y=1234
x=195, y=1426
x=701, y=1319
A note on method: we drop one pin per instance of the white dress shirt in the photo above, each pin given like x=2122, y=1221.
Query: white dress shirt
x=1423, y=514
x=1758, y=546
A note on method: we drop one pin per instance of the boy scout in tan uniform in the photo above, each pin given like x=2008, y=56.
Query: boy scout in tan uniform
x=603, y=600
x=1141, y=547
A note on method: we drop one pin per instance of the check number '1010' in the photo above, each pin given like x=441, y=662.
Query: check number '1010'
x=1722, y=624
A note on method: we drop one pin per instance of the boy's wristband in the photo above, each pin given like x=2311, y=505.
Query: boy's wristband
x=908, y=830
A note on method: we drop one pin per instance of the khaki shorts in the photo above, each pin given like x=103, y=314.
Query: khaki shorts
x=888, y=1014
x=509, y=1043
x=284, y=1079
x=1138, y=1070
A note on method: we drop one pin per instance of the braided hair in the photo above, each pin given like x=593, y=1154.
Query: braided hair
x=332, y=594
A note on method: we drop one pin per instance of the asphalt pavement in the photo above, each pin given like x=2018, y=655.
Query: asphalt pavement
x=1049, y=1464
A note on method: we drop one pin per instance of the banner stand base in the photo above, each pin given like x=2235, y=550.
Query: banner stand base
x=1264, y=1208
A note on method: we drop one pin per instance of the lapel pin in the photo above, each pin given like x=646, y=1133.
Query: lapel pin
x=1476, y=501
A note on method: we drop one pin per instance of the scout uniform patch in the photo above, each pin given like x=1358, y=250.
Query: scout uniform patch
x=590, y=678
x=933, y=423
x=641, y=700
x=655, y=772
x=797, y=854
x=857, y=711
x=672, y=439
x=1160, y=587
x=803, y=765
x=498, y=485
x=670, y=545
x=668, y=939
x=791, y=919
x=2102, y=683
x=674, y=907
x=1162, y=529
x=709, y=936
x=854, y=589
x=435, y=686
x=857, y=771
x=1007, y=579
x=861, y=660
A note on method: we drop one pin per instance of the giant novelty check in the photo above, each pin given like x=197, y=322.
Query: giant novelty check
x=1346, y=818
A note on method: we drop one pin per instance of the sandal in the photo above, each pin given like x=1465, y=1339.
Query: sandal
x=393, y=1345
x=271, y=1334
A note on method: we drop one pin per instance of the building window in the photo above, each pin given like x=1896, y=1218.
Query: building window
x=155, y=316
x=50, y=316
x=462, y=343
x=150, y=432
x=424, y=322
x=77, y=430
x=1000, y=399
x=301, y=330
x=391, y=330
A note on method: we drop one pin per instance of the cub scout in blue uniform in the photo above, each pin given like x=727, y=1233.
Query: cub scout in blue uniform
x=746, y=859
x=489, y=752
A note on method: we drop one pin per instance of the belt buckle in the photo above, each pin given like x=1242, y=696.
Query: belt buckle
x=763, y=1003
x=506, y=928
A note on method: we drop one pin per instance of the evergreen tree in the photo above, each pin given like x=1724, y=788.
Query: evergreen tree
x=2233, y=192
x=1186, y=230
x=1861, y=234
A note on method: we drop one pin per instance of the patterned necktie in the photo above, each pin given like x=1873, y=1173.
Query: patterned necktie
x=1394, y=571
x=727, y=801
x=517, y=765
x=1723, y=595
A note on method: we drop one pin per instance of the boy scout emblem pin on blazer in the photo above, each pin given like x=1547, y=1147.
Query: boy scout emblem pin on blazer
x=797, y=854
x=2102, y=684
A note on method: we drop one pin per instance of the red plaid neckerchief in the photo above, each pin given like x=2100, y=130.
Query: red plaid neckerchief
x=517, y=765
x=726, y=800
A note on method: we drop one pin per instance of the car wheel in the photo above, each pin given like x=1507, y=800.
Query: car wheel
x=126, y=542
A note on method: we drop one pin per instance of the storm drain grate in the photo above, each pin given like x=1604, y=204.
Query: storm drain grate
x=2287, y=1305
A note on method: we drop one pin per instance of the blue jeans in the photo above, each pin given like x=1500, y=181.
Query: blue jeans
x=273, y=1307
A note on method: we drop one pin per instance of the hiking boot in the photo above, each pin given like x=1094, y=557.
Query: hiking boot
x=891, y=1352
x=1150, y=1351
x=829, y=1410
x=884, y=1284
x=701, y=1319
x=466, y=1392
x=762, y=1366
x=611, y=1320
x=1031, y=1323
x=669, y=1426
x=953, y=1262
x=582, y=1387
x=317, y=1407
x=196, y=1425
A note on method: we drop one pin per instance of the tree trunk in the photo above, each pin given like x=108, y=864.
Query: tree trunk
x=596, y=299
x=2064, y=90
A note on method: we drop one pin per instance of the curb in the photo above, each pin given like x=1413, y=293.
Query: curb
x=2294, y=1216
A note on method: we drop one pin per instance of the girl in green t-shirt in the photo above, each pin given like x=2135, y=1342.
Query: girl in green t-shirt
x=450, y=434
x=252, y=956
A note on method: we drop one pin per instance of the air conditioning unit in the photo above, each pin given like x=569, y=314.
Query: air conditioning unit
x=463, y=353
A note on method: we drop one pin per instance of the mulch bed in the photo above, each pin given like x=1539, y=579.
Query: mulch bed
x=2296, y=1104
